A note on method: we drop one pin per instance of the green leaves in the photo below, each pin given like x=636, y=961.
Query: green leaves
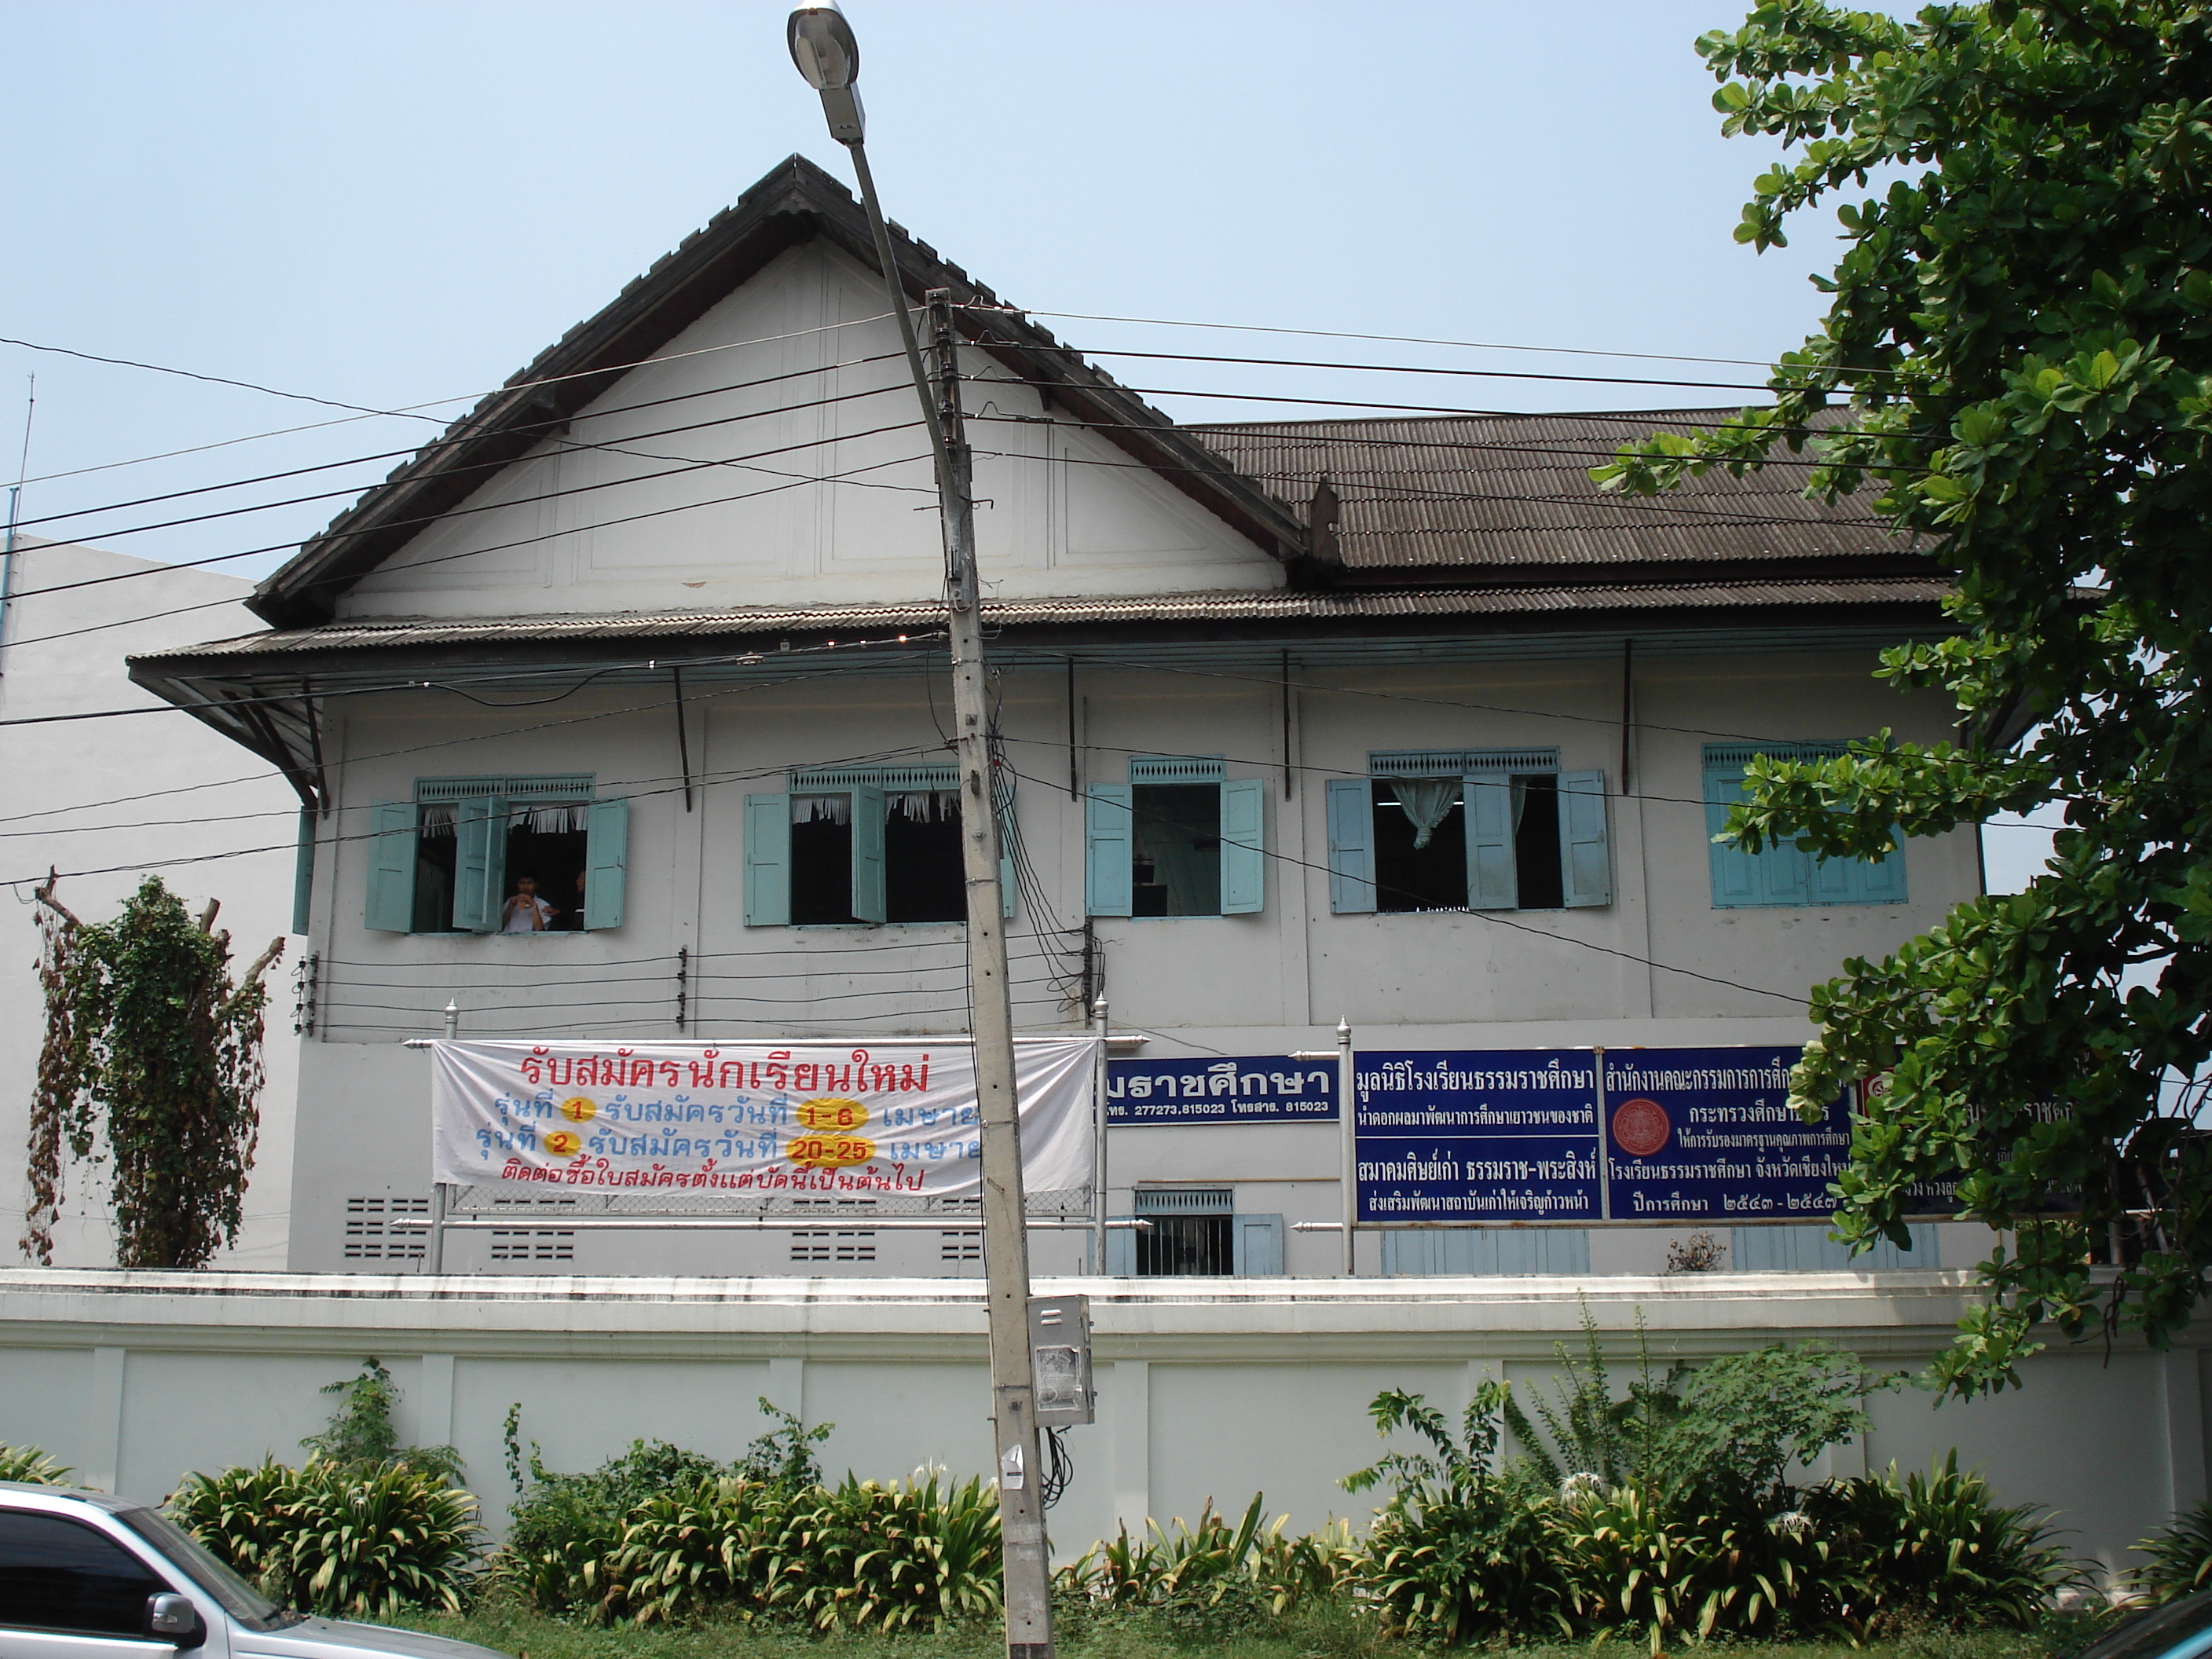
x=2017, y=353
x=30, y=1464
x=335, y=1539
x=146, y=1032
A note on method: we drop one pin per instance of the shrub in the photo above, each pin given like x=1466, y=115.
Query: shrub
x=361, y=1434
x=2180, y=1556
x=30, y=1464
x=1938, y=1549
x=1461, y=1549
x=562, y=1527
x=1210, y=1575
x=336, y=1538
x=863, y=1555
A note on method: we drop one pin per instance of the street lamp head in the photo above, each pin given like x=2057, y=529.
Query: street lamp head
x=822, y=47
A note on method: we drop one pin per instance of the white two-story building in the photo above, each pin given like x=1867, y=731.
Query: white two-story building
x=1399, y=723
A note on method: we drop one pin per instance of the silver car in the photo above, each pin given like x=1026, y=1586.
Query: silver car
x=84, y=1575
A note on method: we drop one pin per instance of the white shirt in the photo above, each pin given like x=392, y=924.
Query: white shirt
x=520, y=919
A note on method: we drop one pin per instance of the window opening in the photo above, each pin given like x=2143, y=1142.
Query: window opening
x=924, y=880
x=1409, y=875
x=543, y=851
x=821, y=860
x=1176, y=848
x=1192, y=1233
x=1537, y=840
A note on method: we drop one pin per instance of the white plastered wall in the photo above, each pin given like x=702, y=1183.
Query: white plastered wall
x=625, y=514
x=122, y=797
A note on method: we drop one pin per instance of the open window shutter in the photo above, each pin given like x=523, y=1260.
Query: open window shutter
x=1351, y=847
x=1736, y=875
x=1880, y=881
x=868, y=813
x=1833, y=881
x=1256, y=1246
x=303, y=871
x=768, y=860
x=391, y=908
x=1585, y=859
x=1492, y=883
x=1243, y=847
x=479, y=863
x=606, y=862
x=1120, y=1252
x=1109, y=875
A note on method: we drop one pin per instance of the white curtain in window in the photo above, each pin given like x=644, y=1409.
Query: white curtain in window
x=926, y=805
x=1426, y=802
x=822, y=809
x=436, y=820
x=550, y=820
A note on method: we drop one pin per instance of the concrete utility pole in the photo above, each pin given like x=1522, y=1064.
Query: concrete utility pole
x=823, y=47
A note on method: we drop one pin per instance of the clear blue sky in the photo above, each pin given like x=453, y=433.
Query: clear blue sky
x=385, y=204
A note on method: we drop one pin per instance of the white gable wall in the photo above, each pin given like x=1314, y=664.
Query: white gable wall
x=589, y=530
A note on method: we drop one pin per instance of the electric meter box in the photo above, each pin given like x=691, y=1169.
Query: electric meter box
x=1060, y=1354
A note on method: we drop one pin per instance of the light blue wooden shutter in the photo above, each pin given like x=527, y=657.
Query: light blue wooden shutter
x=479, y=863
x=1243, y=847
x=1351, y=847
x=303, y=871
x=1880, y=881
x=1492, y=883
x=868, y=814
x=1109, y=875
x=391, y=908
x=768, y=860
x=1121, y=1251
x=1833, y=881
x=1256, y=1246
x=1585, y=859
x=606, y=862
x=1736, y=875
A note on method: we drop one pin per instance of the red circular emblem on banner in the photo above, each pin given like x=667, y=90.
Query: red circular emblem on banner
x=1640, y=1127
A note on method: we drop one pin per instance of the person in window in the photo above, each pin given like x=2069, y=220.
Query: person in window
x=524, y=911
x=575, y=918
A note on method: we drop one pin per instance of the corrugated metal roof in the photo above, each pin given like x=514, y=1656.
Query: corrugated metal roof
x=1513, y=490
x=386, y=633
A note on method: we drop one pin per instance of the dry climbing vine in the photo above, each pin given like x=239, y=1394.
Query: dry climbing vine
x=148, y=1036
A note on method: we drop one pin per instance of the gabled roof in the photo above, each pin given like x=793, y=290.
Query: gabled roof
x=797, y=202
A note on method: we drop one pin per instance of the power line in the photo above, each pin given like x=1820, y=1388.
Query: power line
x=450, y=514
x=405, y=411
x=1402, y=368
x=1493, y=916
x=550, y=535
x=571, y=446
x=1388, y=339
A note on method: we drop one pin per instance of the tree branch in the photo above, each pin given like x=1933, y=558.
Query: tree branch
x=207, y=916
x=254, y=972
x=44, y=893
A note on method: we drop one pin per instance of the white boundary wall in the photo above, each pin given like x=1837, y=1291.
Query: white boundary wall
x=1209, y=1388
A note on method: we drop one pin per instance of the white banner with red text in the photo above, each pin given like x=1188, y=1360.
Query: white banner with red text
x=884, y=1118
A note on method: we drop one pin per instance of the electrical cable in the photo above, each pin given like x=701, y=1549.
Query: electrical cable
x=1388, y=339
x=571, y=446
x=1405, y=369
x=1631, y=506
x=1059, y=1469
x=453, y=513
x=405, y=411
x=1496, y=918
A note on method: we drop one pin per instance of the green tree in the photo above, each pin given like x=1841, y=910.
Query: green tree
x=2018, y=358
x=146, y=1036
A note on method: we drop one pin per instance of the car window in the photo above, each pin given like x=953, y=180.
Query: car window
x=192, y=1558
x=58, y=1574
x=2180, y=1628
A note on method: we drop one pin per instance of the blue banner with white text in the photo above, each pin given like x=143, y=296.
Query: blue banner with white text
x=1478, y=1135
x=1252, y=1089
